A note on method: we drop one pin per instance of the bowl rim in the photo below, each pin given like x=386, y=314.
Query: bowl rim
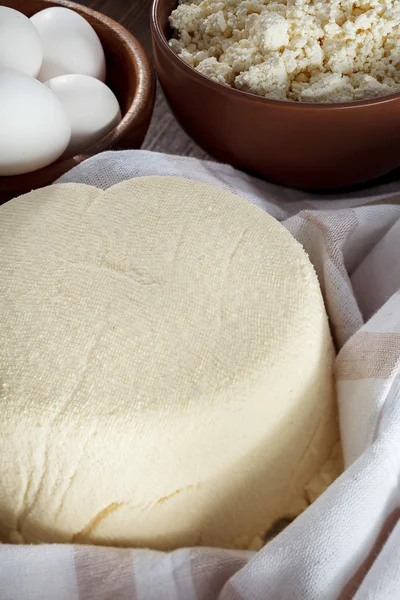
x=228, y=90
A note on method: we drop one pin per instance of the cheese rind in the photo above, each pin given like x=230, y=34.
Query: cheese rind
x=165, y=367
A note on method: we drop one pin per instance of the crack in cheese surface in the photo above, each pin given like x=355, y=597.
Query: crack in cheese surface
x=165, y=367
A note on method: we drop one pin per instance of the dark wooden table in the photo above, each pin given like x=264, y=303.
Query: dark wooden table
x=164, y=134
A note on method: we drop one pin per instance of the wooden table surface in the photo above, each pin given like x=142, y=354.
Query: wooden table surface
x=164, y=134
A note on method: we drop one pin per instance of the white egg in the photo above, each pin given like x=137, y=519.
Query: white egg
x=70, y=44
x=20, y=45
x=91, y=107
x=34, y=128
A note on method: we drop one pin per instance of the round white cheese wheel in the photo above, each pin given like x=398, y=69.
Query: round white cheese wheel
x=165, y=367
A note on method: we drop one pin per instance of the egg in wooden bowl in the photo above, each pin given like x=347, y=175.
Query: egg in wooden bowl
x=128, y=82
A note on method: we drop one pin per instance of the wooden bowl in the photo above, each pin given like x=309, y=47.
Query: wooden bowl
x=308, y=146
x=129, y=75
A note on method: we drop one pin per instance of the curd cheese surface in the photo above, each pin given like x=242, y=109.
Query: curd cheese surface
x=300, y=50
x=165, y=367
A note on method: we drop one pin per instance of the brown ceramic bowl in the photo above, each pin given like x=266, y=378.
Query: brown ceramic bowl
x=308, y=146
x=129, y=75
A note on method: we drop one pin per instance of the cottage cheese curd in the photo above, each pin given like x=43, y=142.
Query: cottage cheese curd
x=301, y=50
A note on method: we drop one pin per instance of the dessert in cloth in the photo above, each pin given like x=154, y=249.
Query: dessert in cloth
x=167, y=373
x=346, y=544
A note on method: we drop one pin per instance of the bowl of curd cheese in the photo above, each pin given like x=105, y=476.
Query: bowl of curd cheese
x=305, y=94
